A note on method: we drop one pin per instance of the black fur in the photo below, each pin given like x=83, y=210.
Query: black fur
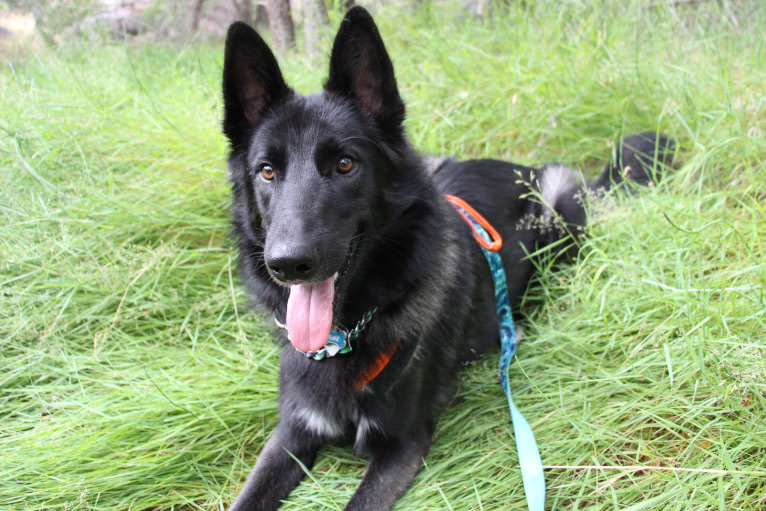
x=396, y=243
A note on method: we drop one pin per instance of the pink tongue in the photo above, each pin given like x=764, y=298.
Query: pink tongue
x=309, y=314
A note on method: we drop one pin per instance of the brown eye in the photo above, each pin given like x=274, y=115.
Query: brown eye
x=267, y=172
x=346, y=165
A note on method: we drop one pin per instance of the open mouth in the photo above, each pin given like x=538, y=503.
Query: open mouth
x=310, y=309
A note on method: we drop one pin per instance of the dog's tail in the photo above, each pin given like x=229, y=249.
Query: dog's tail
x=638, y=160
x=559, y=208
x=561, y=196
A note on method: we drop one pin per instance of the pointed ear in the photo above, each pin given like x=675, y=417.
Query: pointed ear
x=252, y=82
x=361, y=68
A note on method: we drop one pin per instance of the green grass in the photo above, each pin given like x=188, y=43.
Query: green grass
x=134, y=376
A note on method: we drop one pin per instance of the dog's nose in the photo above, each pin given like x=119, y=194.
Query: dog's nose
x=292, y=264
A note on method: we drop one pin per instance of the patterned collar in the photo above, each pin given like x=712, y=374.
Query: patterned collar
x=339, y=340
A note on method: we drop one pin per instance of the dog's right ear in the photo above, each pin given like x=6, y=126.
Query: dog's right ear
x=252, y=82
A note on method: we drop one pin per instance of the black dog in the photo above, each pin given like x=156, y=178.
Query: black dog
x=341, y=224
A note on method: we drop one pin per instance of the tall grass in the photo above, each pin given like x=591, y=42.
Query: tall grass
x=134, y=375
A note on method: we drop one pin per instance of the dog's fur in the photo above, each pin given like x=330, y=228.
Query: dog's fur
x=395, y=243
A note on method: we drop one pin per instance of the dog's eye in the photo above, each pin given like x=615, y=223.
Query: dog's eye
x=346, y=165
x=267, y=172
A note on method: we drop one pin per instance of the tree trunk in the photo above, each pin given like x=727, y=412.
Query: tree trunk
x=281, y=25
x=193, y=17
x=261, y=18
x=244, y=10
x=314, y=19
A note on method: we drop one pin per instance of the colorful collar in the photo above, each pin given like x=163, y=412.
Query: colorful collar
x=339, y=340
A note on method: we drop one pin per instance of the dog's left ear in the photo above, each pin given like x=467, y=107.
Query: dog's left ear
x=361, y=68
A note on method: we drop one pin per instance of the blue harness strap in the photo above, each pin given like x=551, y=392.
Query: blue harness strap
x=529, y=455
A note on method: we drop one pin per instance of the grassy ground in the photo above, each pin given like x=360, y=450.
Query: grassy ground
x=134, y=377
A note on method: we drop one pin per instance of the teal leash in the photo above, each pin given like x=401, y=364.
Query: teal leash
x=526, y=445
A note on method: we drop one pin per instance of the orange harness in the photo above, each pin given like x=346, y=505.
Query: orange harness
x=370, y=373
x=373, y=370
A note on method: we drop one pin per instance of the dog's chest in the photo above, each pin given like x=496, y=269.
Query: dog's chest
x=334, y=420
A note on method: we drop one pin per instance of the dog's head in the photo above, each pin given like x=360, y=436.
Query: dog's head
x=313, y=175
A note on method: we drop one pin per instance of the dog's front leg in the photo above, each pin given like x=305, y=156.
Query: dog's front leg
x=390, y=472
x=276, y=471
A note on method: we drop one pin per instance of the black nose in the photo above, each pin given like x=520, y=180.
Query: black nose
x=291, y=264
